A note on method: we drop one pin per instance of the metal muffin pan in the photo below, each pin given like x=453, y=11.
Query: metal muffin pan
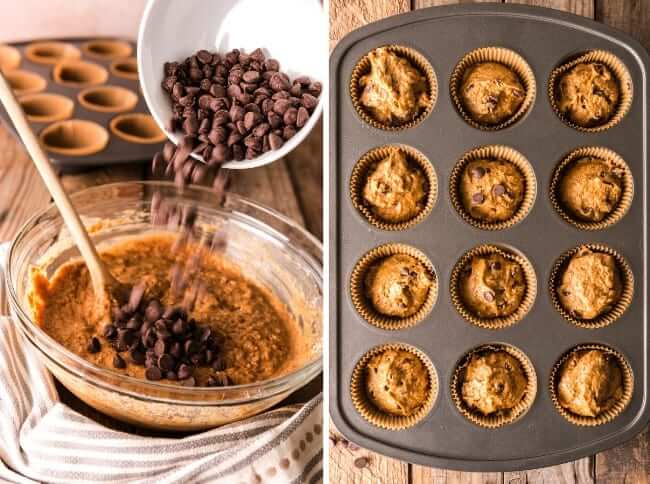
x=445, y=438
x=118, y=150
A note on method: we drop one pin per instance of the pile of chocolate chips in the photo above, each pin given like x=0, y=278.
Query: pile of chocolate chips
x=163, y=340
x=234, y=106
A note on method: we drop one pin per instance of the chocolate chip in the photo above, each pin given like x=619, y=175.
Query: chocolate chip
x=136, y=296
x=477, y=172
x=153, y=373
x=137, y=356
x=498, y=190
x=361, y=462
x=184, y=371
x=94, y=346
x=166, y=362
x=153, y=311
x=160, y=347
x=134, y=323
x=478, y=198
x=110, y=331
x=488, y=296
x=118, y=362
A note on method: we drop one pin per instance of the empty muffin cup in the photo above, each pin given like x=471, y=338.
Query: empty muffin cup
x=607, y=415
x=108, y=99
x=74, y=137
x=25, y=82
x=125, y=68
x=137, y=128
x=613, y=161
x=366, y=165
x=504, y=57
x=51, y=52
x=46, y=107
x=463, y=269
x=107, y=49
x=363, y=304
x=9, y=58
x=618, y=307
x=498, y=418
x=369, y=411
x=493, y=153
x=79, y=74
x=619, y=71
x=419, y=62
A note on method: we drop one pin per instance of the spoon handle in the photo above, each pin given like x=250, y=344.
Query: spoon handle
x=99, y=274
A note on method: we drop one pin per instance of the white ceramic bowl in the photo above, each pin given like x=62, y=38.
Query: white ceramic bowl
x=291, y=31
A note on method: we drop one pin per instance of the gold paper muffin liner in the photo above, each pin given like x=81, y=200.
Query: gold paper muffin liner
x=504, y=417
x=608, y=415
x=367, y=409
x=137, y=128
x=627, y=281
x=494, y=152
x=606, y=155
x=74, y=137
x=620, y=72
x=108, y=99
x=503, y=321
x=419, y=62
x=359, y=177
x=46, y=107
x=79, y=74
x=501, y=55
x=107, y=49
x=25, y=82
x=51, y=52
x=358, y=290
x=9, y=58
x=125, y=68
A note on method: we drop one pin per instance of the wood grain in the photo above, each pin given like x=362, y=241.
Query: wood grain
x=348, y=15
x=579, y=7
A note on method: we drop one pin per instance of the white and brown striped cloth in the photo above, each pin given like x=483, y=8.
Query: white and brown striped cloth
x=43, y=440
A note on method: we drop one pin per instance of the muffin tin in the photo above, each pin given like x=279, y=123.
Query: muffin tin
x=94, y=83
x=444, y=437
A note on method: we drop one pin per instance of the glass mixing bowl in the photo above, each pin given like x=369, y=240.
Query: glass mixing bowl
x=268, y=247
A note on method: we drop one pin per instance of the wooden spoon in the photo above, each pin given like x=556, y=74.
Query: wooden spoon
x=104, y=284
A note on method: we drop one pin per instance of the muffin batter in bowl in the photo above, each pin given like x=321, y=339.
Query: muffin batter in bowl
x=258, y=338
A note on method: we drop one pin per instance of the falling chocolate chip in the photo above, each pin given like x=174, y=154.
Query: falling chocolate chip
x=136, y=296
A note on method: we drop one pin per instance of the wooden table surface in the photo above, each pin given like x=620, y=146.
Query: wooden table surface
x=292, y=185
x=629, y=463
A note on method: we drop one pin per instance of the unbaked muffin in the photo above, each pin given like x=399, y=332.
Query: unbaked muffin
x=591, y=188
x=491, y=190
x=494, y=381
x=492, y=286
x=394, y=92
x=588, y=94
x=397, y=382
x=590, y=285
x=398, y=285
x=590, y=382
x=491, y=93
x=395, y=189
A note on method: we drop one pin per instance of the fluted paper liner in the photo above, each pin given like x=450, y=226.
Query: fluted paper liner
x=358, y=290
x=627, y=292
x=419, y=62
x=9, y=58
x=108, y=99
x=25, y=82
x=608, y=415
x=501, y=418
x=74, y=137
x=607, y=156
x=367, y=409
x=137, y=128
x=503, y=321
x=46, y=107
x=500, y=55
x=622, y=76
x=360, y=174
x=79, y=74
x=125, y=68
x=496, y=153
x=51, y=52
x=107, y=49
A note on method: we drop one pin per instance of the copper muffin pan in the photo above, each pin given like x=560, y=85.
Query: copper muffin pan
x=446, y=438
x=83, y=99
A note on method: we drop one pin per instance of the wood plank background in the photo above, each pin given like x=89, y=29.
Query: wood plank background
x=629, y=463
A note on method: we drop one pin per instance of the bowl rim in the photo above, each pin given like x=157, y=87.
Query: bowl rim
x=262, y=160
x=274, y=386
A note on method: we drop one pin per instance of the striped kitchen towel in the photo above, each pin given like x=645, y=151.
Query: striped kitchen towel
x=43, y=440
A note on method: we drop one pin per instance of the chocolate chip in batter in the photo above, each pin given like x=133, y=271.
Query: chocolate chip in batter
x=478, y=172
x=94, y=346
x=488, y=296
x=498, y=190
x=478, y=198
